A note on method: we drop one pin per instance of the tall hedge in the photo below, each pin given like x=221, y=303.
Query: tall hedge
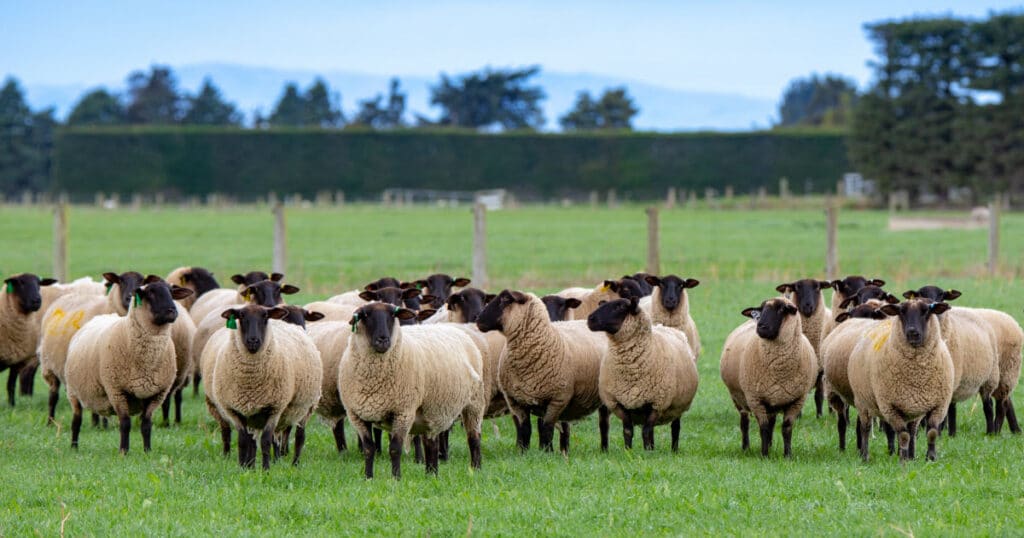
x=249, y=163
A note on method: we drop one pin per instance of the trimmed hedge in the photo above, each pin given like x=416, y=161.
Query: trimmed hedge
x=249, y=163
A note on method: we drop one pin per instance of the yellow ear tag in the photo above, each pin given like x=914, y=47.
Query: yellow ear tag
x=231, y=324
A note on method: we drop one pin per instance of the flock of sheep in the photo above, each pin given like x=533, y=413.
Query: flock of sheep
x=412, y=358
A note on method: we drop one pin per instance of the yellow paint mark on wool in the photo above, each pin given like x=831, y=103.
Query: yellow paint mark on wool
x=76, y=320
x=53, y=324
x=880, y=335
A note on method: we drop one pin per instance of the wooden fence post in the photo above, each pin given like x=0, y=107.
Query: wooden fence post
x=670, y=198
x=831, y=253
x=280, y=240
x=993, y=235
x=653, y=261
x=480, y=246
x=60, y=240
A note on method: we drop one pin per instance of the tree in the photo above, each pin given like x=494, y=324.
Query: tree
x=316, y=108
x=815, y=100
x=153, y=98
x=209, y=108
x=25, y=142
x=490, y=98
x=372, y=114
x=290, y=109
x=615, y=110
x=97, y=107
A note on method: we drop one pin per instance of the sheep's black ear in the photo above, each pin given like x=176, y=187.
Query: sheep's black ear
x=691, y=283
x=453, y=300
x=489, y=297
x=407, y=285
x=461, y=282
x=371, y=287
x=425, y=313
x=421, y=284
x=611, y=285
x=312, y=316
x=519, y=298
x=950, y=295
x=843, y=317
x=835, y=284
x=229, y=313
x=790, y=309
x=410, y=293
x=573, y=303
x=47, y=281
x=179, y=293
x=877, y=314
x=276, y=277
x=238, y=279
x=891, y=299
x=288, y=289
x=112, y=278
x=822, y=284
x=368, y=296
x=185, y=277
x=277, y=313
x=652, y=280
x=938, y=308
x=783, y=288
x=749, y=312
x=151, y=279
x=909, y=294
x=634, y=305
x=890, y=310
x=404, y=314
x=428, y=298
x=847, y=302
x=878, y=282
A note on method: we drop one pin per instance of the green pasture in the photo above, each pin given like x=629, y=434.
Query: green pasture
x=185, y=488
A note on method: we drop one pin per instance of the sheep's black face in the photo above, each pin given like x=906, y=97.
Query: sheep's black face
x=913, y=315
x=413, y=303
x=558, y=307
x=641, y=280
x=158, y=297
x=393, y=296
x=384, y=282
x=770, y=316
x=468, y=302
x=296, y=315
x=490, y=318
x=610, y=316
x=127, y=282
x=25, y=287
x=806, y=294
x=862, y=311
x=440, y=287
x=932, y=293
x=251, y=320
x=268, y=292
x=252, y=277
x=853, y=283
x=629, y=288
x=201, y=280
x=378, y=320
x=868, y=293
x=671, y=289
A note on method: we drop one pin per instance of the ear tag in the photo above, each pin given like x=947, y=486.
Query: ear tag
x=931, y=306
x=395, y=311
x=138, y=300
x=10, y=287
x=232, y=323
x=106, y=292
x=419, y=286
x=604, y=288
x=355, y=318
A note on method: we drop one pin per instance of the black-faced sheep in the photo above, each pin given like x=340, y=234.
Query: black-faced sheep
x=806, y=294
x=669, y=305
x=19, y=324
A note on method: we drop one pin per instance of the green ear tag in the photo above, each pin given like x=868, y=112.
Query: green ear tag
x=138, y=300
x=108, y=289
x=355, y=321
x=231, y=324
x=419, y=286
x=395, y=311
x=10, y=287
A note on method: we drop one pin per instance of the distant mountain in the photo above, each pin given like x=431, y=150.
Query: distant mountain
x=258, y=88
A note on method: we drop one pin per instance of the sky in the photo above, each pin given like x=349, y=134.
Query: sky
x=751, y=48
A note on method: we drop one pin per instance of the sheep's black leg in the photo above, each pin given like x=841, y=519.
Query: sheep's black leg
x=417, y=449
x=904, y=443
x=787, y=435
x=767, y=430
x=395, y=443
x=819, y=393
x=300, y=441
x=648, y=430
x=339, y=435
x=146, y=427
x=627, y=430
x=986, y=406
x=12, y=381
x=1011, y=416
x=225, y=437
x=27, y=377
x=285, y=440
x=842, y=421
x=125, y=422
x=745, y=429
x=266, y=439
x=951, y=419
x=430, y=449
x=602, y=424
x=890, y=437
x=246, y=448
x=473, y=440
x=864, y=432
x=546, y=434
x=369, y=448
x=563, y=437
x=1000, y=415
x=165, y=411
x=912, y=444
x=860, y=437
x=196, y=378
x=442, y=445
x=54, y=398
x=76, y=422
x=524, y=431
x=676, y=424
x=933, y=434
x=378, y=439
x=177, y=405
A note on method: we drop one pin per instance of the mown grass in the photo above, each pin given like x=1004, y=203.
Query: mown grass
x=184, y=486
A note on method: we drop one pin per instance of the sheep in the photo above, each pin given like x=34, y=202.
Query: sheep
x=409, y=380
x=183, y=331
x=546, y=369
x=806, y=294
x=125, y=365
x=844, y=289
x=769, y=366
x=70, y=313
x=835, y=357
x=219, y=299
x=197, y=279
x=560, y=308
x=19, y=324
x=439, y=286
x=649, y=374
x=901, y=372
x=641, y=280
x=267, y=376
x=352, y=298
x=331, y=339
x=590, y=299
x=394, y=296
x=1008, y=339
x=669, y=305
x=331, y=311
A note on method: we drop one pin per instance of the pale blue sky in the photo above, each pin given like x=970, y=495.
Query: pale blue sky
x=744, y=47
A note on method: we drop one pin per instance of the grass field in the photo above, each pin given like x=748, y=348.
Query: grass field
x=184, y=487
